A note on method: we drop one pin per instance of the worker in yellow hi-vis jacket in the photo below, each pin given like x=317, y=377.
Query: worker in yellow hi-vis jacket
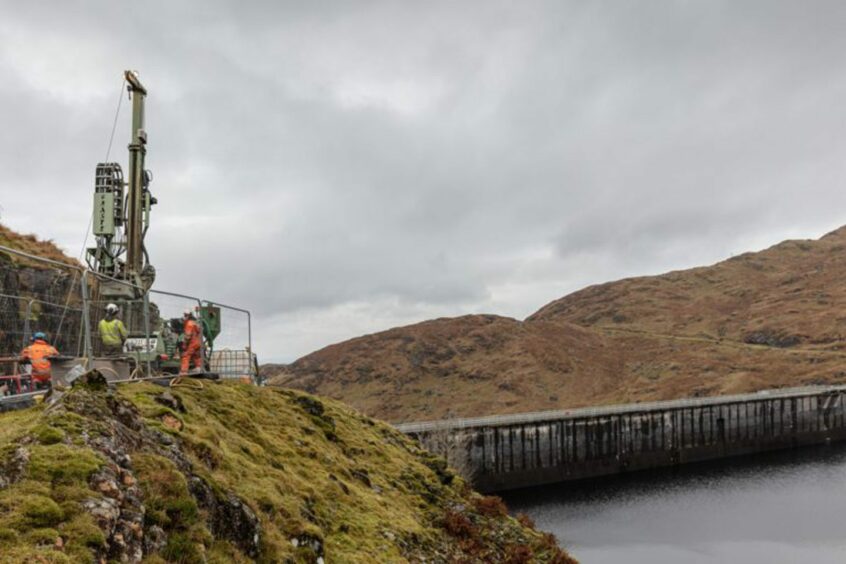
x=112, y=332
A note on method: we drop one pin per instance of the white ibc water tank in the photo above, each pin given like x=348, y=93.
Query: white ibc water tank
x=233, y=364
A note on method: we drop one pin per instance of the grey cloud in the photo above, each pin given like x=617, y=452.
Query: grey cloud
x=337, y=167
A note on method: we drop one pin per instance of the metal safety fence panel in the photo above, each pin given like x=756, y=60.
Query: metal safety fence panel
x=67, y=302
x=168, y=309
x=135, y=316
x=232, y=356
x=153, y=323
x=37, y=296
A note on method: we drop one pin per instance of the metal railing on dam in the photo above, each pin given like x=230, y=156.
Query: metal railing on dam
x=527, y=449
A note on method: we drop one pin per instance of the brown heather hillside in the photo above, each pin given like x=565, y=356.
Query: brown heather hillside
x=467, y=365
x=32, y=245
x=756, y=321
x=789, y=294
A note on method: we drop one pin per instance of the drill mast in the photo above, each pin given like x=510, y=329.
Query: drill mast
x=120, y=224
x=137, y=178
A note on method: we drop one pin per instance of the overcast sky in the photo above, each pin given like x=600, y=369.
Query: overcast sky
x=342, y=168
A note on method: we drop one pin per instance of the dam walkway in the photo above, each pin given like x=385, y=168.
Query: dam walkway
x=529, y=449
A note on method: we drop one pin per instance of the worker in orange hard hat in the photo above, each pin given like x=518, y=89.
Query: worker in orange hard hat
x=192, y=342
x=38, y=356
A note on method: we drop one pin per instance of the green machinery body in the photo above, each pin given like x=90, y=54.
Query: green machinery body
x=162, y=351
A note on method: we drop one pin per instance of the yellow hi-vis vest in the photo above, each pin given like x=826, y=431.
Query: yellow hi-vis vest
x=112, y=333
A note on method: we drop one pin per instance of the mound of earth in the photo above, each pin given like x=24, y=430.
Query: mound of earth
x=755, y=321
x=235, y=473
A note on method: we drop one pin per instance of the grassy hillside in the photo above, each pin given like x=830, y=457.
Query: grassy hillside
x=234, y=473
x=759, y=320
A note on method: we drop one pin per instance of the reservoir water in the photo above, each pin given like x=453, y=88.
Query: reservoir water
x=782, y=507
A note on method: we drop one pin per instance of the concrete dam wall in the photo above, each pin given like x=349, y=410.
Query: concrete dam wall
x=514, y=451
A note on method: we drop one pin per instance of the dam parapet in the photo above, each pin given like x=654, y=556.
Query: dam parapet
x=529, y=449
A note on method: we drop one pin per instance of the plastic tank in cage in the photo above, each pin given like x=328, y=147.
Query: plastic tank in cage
x=234, y=364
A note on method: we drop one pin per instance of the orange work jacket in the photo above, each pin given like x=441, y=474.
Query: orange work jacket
x=37, y=354
x=192, y=333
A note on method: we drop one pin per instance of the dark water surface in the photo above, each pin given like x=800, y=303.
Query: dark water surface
x=784, y=507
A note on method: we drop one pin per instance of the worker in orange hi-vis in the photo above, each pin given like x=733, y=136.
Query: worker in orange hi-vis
x=38, y=355
x=192, y=342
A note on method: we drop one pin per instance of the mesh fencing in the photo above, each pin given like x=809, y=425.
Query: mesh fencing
x=43, y=299
x=230, y=356
x=67, y=303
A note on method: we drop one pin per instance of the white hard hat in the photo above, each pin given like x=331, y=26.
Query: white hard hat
x=188, y=313
x=111, y=308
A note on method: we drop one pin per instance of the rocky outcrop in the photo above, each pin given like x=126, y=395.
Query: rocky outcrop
x=226, y=472
x=119, y=509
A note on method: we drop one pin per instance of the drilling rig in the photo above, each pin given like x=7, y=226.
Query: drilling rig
x=120, y=259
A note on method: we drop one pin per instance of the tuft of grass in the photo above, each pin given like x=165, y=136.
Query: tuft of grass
x=41, y=511
x=42, y=537
x=168, y=501
x=82, y=532
x=182, y=548
x=63, y=464
x=48, y=435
